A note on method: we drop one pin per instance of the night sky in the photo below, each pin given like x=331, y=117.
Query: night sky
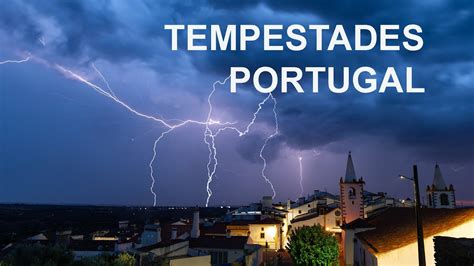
x=62, y=142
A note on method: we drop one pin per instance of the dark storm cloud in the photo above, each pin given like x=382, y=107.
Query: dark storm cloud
x=14, y=18
x=437, y=125
x=101, y=32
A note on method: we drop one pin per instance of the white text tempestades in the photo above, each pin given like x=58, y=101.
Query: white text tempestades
x=363, y=79
x=296, y=37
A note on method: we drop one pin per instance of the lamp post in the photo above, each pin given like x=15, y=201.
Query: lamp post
x=419, y=223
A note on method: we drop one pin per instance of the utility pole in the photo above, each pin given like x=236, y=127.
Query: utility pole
x=419, y=222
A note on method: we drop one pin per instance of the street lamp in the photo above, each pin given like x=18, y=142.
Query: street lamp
x=419, y=223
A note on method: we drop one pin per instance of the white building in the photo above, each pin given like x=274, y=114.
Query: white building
x=352, y=194
x=390, y=238
x=328, y=217
x=439, y=195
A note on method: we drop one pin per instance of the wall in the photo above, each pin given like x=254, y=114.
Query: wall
x=436, y=200
x=408, y=255
x=271, y=235
x=178, y=249
x=238, y=230
x=232, y=254
x=352, y=206
x=302, y=209
x=348, y=236
x=363, y=256
x=255, y=258
x=328, y=221
x=195, y=261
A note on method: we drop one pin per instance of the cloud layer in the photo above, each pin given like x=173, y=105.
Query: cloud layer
x=127, y=42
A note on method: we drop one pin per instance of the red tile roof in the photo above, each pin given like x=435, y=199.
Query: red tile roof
x=396, y=227
x=218, y=242
x=264, y=221
x=218, y=228
x=161, y=244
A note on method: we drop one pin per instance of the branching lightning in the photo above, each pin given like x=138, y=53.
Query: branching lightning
x=209, y=138
x=26, y=59
x=209, y=133
x=170, y=127
x=300, y=160
x=264, y=168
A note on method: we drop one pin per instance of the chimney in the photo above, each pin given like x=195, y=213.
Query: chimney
x=174, y=233
x=288, y=204
x=267, y=202
x=195, y=229
x=158, y=235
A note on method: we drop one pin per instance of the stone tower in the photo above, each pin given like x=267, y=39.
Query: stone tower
x=352, y=194
x=439, y=195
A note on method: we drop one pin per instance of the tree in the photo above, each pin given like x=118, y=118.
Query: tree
x=312, y=245
x=38, y=255
x=124, y=259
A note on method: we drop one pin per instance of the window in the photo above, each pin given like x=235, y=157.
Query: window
x=299, y=212
x=338, y=222
x=309, y=206
x=444, y=199
x=352, y=193
x=262, y=235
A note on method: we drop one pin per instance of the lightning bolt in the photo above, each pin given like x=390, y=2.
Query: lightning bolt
x=264, y=168
x=209, y=134
x=150, y=165
x=26, y=59
x=209, y=139
x=300, y=160
x=169, y=127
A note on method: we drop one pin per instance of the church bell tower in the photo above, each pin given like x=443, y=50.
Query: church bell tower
x=352, y=194
x=439, y=195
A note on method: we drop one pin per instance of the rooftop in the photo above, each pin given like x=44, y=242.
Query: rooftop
x=218, y=242
x=396, y=227
x=264, y=221
x=161, y=244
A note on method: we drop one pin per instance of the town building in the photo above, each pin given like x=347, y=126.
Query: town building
x=390, y=237
x=352, y=194
x=329, y=218
x=439, y=195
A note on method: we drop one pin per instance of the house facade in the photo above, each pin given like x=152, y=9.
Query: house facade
x=390, y=238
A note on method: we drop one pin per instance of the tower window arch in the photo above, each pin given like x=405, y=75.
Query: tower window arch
x=444, y=200
x=352, y=193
